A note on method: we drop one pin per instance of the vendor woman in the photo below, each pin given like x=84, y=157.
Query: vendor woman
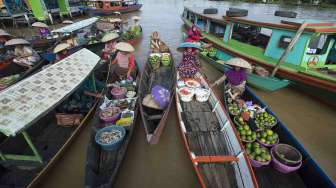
x=42, y=29
x=4, y=37
x=110, y=40
x=236, y=76
x=194, y=35
x=61, y=51
x=190, y=65
x=24, y=55
x=125, y=60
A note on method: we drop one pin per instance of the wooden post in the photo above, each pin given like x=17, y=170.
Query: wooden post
x=289, y=48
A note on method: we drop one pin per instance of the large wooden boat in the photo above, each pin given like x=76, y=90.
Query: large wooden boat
x=212, y=143
x=262, y=42
x=309, y=175
x=108, y=7
x=102, y=165
x=154, y=120
x=32, y=139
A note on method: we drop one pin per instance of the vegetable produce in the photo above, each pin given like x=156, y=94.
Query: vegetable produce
x=256, y=152
x=234, y=109
x=245, y=132
x=124, y=121
x=265, y=119
x=212, y=52
x=267, y=137
x=110, y=136
x=165, y=59
x=204, y=51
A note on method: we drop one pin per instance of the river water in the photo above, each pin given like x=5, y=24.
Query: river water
x=166, y=164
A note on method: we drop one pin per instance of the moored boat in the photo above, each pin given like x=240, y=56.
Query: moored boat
x=32, y=138
x=211, y=139
x=263, y=42
x=159, y=75
x=307, y=172
x=103, y=162
x=108, y=7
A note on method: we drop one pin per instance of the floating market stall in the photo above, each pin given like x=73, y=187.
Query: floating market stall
x=15, y=11
x=27, y=109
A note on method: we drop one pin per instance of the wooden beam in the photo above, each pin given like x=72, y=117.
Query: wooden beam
x=214, y=159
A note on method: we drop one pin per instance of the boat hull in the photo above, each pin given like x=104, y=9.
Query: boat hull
x=154, y=128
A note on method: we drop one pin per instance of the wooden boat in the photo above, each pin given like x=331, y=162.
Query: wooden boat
x=212, y=143
x=108, y=7
x=14, y=12
x=11, y=69
x=154, y=120
x=303, y=64
x=33, y=110
x=309, y=175
x=102, y=166
x=264, y=83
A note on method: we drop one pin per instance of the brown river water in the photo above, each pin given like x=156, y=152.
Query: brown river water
x=167, y=164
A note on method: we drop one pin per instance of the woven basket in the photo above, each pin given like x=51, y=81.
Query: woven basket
x=68, y=120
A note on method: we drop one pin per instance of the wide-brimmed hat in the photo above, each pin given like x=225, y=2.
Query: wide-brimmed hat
x=16, y=41
x=124, y=46
x=61, y=47
x=188, y=45
x=67, y=22
x=239, y=62
x=40, y=24
x=109, y=36
x=4, y=33
x=119, y=13
x=135, y=18
x=155, y=37
x=149, y=102
x=114, y=20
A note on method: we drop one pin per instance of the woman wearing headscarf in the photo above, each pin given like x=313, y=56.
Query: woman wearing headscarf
x=190, y=65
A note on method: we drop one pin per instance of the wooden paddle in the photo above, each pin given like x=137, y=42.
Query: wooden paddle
x=289, y=48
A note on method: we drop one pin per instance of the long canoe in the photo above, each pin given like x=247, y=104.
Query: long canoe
x=102, y=166
x=154, y=120
x=309, y=175
x=44, y=141
x=212, y=143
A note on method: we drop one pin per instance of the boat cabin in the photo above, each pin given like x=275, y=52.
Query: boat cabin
x=109, y=4
x=267, y=38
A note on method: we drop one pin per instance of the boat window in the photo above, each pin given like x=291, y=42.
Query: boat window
x=318, y=44
x=201, y=23
x=253, y=35
x=114, y=4
x=185, y=13
x=284, y=41
x=192, y=18
x=217, y=29
x=100, y=4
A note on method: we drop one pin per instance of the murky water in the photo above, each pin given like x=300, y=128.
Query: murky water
x=167, y=164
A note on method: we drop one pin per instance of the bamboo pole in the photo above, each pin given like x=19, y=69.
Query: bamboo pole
x=289, y=48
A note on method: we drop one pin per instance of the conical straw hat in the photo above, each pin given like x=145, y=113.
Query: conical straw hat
x=188, y=45
x=115, y=20
x=125, y=47
x=40, y=24
x=4, y=33
x=16, y=42
x=61, y=47
x=136, y=18
x=109, y=36
x=239, y=62
x=67, y=22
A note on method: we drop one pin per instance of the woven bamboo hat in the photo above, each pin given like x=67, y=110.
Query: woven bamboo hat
x=239, y=62
x=136, y=18
x=40, y=24
x=113, y=20
x=67, y=22
x=109, y=36
x=124, y=46
x=16, y=41
x=148, y=101
x=61, y=47
x=4, y=33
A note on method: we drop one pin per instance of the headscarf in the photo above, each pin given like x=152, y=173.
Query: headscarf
x=236, y=77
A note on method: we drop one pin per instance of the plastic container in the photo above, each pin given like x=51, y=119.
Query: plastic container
x=119, y=92
x=186, y=94
x=258, y=164
x=110, y=119
x=202, y=95
x=115, y=144
x=281, y=166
